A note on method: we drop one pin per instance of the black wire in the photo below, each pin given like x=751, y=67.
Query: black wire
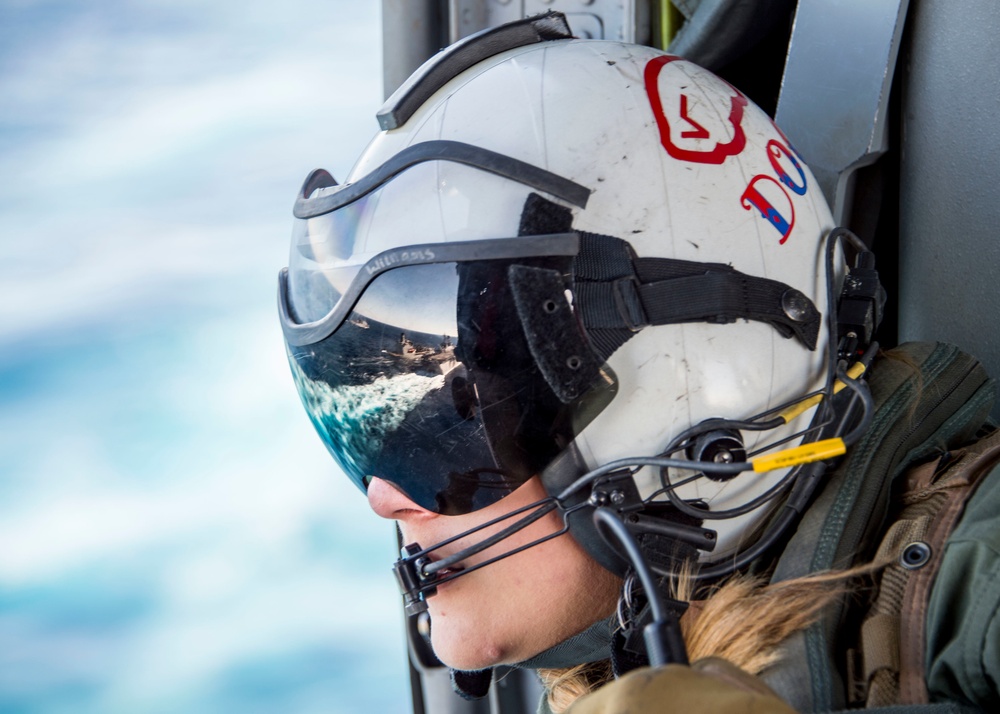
x=833, y=348
x=740, y=510
x=824, y=414
x=608, y=519
x=720, y=570
x=620, y=464
x=679, y=441
x=867, y=412
x=792, y=437
x=671, y=486
x=663, y=619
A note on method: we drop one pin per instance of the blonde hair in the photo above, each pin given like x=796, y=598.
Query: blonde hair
x=744, y=621
x=565, y=686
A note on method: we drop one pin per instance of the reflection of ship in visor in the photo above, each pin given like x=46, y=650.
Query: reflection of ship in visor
x=441, y=359
x=430, y=383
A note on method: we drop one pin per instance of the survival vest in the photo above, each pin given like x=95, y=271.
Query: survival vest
x=897, y=497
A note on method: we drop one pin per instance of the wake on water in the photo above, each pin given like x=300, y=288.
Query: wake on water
x=354, y=419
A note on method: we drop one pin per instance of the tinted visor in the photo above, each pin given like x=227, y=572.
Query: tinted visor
x=430, y=384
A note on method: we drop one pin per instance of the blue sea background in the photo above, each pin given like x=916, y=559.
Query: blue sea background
x=173, y=535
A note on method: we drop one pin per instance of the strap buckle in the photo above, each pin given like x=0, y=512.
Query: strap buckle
x=628, y=302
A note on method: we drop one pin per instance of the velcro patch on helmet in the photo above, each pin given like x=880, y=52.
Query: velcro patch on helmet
x=559, y=348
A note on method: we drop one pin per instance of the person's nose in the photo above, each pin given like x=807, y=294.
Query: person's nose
x=389, y=502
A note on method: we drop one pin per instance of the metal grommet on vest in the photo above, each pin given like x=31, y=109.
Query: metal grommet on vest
x=915, y=555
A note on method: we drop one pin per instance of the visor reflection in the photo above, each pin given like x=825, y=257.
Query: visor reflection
x=430, y=384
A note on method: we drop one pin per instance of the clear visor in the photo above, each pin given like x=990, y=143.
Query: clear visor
x=321, y=265
x=430, y=384
x=429, y=203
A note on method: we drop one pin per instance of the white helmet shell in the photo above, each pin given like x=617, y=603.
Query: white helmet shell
x=680, y=165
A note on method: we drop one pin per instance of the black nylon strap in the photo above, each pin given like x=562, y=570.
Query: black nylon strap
x=617, y=294
x=606, y=341
x=602, y=259
x=724, y=297
x=621, y=294
x=613, y=304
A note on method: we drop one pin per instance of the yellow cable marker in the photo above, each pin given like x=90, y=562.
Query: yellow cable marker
x=804, y=454
x=856, y=370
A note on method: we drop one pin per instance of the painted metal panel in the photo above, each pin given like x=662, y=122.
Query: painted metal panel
x=950, y=178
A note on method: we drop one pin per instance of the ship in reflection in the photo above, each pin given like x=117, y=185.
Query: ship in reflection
x=440, y=358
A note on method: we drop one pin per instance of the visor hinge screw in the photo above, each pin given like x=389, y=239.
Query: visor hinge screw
x=724, y=457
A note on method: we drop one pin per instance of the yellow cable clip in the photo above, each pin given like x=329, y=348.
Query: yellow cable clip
x=804, y=454
x=856, y=370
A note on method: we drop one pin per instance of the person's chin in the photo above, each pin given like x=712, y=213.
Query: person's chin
x=464, y=646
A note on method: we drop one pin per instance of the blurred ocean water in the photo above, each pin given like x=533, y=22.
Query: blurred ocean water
x=173, y=535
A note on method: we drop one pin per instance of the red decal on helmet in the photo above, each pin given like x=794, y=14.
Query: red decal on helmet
x=697, y=131
x=718, y=153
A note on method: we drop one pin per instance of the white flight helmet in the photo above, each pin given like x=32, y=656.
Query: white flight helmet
x=662, y=220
